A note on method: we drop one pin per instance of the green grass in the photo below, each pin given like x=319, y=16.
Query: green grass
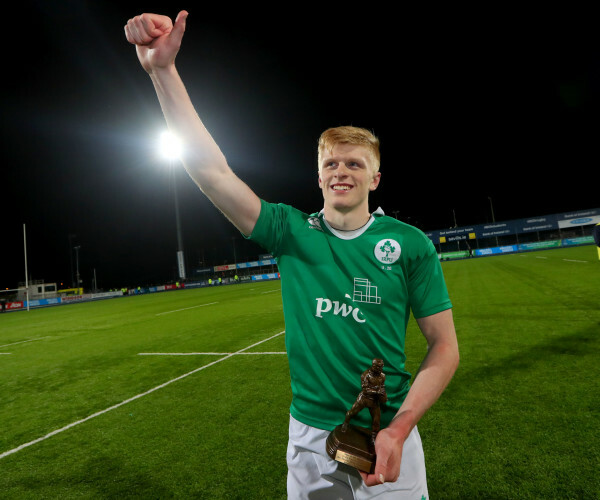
x=520, y=419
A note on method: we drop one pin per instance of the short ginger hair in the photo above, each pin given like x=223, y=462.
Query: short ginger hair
x=355, y=136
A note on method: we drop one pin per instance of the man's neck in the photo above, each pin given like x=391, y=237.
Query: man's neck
x=346, y=221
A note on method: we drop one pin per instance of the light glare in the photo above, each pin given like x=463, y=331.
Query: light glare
x=170, y=146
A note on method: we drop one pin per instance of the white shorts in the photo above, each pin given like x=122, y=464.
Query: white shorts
x=313, y=474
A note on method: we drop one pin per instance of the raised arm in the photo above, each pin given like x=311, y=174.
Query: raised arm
x=157, y=41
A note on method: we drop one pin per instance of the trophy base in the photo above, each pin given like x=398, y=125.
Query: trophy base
x=353, y=447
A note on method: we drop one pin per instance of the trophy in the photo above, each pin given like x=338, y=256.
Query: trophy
x=354, y=445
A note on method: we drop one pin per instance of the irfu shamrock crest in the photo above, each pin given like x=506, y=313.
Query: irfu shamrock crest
x=387, y=251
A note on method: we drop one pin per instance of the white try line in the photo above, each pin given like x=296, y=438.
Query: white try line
x=271, y=291
x=23, y=341
x=186, y=308
x=203, y=353
x=5, y=353
x=138, y=396
x=566, y=260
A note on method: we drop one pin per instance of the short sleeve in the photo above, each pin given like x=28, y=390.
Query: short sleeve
x=270, y=227
x=426, y=284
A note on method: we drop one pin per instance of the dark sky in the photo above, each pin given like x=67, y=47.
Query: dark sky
x=468, y=105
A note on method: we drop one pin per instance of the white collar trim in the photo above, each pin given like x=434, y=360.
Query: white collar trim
x=350, y=235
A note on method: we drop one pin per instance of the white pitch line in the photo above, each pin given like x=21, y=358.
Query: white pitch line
x=186, y=308
x=138, y=396
x=5, y=353
x=23, y=341
x=573, y=260
x=267, y=352
x=271, y=291
x=203, y=353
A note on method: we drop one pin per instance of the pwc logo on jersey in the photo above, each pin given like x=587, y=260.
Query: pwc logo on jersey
x=364, y=292
x=387, y=251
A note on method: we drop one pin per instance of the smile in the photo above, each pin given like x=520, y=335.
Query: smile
x=341, y=187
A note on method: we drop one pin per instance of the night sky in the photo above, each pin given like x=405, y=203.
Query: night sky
x=468, y=106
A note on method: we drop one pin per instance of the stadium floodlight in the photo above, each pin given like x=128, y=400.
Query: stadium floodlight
x=493, y=217
x=77, y=248
x=171, y=148
x=26, y=272
x=492, y=209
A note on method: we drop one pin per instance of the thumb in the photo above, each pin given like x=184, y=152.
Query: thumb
x=381, y=468
x=179, y=27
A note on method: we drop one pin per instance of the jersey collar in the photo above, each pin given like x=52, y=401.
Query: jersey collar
x=350, y=235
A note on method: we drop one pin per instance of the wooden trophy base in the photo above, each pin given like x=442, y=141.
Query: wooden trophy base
x=353, y=447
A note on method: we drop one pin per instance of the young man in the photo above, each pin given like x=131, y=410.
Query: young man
x=349, y=280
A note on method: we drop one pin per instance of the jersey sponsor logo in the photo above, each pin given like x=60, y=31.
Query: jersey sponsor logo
x=325, y=306
x=314, y=223
x=387, y=251
x=363, y=291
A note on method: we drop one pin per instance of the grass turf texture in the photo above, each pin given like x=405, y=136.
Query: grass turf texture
x=519, y=420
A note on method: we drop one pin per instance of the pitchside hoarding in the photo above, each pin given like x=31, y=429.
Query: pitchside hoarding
x=519, y=226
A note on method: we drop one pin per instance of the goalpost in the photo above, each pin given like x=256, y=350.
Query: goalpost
x=8, y=293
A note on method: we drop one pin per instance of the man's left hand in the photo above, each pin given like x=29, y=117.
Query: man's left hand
x=388, y=448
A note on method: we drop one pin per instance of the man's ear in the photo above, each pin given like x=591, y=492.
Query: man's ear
x=375, y=181
x=320, y=182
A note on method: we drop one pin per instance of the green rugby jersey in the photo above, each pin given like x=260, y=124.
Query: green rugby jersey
x=346, y=301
